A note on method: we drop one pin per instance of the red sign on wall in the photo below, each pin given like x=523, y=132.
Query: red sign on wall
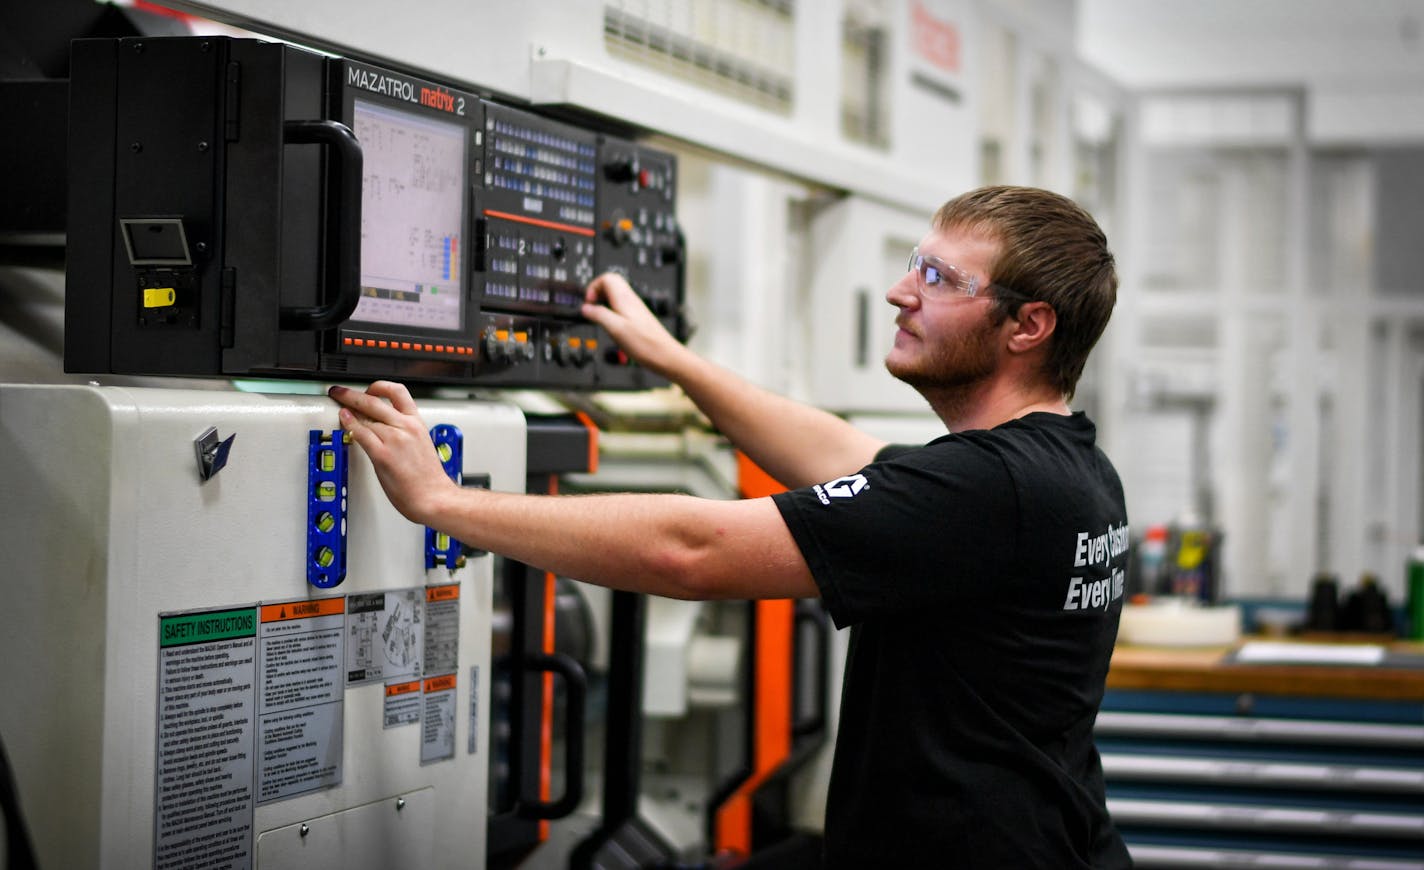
x=934, y=39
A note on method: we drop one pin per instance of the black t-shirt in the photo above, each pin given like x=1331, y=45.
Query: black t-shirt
x=982, y=575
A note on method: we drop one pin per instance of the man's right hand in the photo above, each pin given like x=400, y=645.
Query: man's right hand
x=773, y=430
x=640, y=334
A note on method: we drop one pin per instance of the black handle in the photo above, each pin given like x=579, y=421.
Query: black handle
x=814, y=614
x=348, y=236
x=575, y=688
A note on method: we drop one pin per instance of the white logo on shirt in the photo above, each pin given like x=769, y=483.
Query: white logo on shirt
x=841, y=487
x=1100, y=549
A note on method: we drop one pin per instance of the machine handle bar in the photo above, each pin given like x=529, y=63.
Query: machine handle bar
x=575, y=688
x=348, y=236
x=814, y=614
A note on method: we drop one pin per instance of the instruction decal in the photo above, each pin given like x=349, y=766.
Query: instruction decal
x=385, y=635
x=207, y=700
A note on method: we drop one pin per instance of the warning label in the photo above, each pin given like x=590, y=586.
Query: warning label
x=442, y=628
x=403, y=702
x=302, y=711
x=437, y=740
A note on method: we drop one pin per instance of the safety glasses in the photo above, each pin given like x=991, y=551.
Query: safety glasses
x=937, y=279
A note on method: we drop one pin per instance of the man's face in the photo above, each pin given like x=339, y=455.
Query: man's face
x=946, y=340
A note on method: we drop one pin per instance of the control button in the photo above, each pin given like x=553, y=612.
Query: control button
x=622, y=167
x=523, y=347
x=619, y=230
x=659, y=304
x=159, y=297
x=496, y=346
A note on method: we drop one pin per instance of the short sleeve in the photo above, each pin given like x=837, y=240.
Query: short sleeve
x=912, y=531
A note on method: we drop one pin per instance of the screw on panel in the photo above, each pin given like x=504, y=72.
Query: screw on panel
x=202, y=146
x=400, y=804
x=305, y=829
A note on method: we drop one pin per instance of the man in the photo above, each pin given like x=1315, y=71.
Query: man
x=981, y=573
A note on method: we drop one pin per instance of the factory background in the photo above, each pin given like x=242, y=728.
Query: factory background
x=1258, y=168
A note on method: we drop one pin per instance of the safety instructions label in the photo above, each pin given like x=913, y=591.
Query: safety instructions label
x=385, y=635
x=207, y=698
x=301, y=712
x=437, y=741
x=442, y=628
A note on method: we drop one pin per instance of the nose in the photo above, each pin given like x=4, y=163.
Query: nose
x=904, y=293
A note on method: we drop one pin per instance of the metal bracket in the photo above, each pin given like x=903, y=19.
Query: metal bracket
x=211, y=453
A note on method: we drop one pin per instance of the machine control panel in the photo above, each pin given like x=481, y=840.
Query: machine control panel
x=252, y=209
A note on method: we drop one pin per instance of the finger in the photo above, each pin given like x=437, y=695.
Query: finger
x=600, y=314
x=366, y=407
x=594, y=290
x=612, y=287
x=358, y=430
x=603, y=287
x=398, y=395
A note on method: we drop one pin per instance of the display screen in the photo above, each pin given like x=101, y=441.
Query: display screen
x=412, y=214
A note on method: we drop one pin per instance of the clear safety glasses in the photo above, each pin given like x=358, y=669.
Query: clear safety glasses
x=937, y=279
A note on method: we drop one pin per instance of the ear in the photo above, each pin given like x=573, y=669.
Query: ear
x=1031, y=326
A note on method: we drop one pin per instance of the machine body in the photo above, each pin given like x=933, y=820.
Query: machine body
x=183, y=693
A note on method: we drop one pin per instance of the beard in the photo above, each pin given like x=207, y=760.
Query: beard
x=949, y=371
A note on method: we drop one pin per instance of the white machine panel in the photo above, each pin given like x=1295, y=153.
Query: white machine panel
x=396, y=832
x=863, y=247
x=176, y=690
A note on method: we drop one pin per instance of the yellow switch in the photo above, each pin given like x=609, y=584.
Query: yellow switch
x=158, y=297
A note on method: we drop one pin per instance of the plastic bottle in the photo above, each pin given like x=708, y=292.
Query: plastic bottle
x=1414, y=594
x=1152, y=561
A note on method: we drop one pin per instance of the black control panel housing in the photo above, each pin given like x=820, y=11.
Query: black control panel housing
x=240, y=208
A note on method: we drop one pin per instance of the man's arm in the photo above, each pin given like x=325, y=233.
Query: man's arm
x=795, y=443
x=670, y=545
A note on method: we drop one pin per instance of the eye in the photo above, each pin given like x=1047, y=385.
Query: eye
x=932, y=275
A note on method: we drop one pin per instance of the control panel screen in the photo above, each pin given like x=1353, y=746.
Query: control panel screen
x=412, y=216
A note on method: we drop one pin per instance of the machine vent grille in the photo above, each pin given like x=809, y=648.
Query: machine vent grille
x=744, y=49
